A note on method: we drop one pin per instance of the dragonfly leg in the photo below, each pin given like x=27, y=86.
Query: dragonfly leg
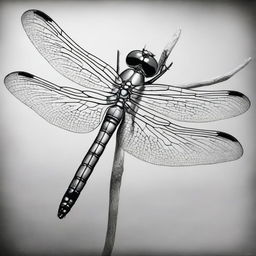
x=162, y=71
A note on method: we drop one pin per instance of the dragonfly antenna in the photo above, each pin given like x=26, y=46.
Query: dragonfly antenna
x=117, y=61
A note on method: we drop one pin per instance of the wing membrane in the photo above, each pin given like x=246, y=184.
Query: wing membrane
x=158, y=141
x=68, y=108
x=65, y=55
x=191, y=105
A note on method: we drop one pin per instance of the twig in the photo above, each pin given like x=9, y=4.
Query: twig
x=114, y=191
x=167, y=50
x=162, y=68
x=217, y=79
x=115, y=184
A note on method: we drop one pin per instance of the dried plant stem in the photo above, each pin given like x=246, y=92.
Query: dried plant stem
x=217, y=79
x=115, y=184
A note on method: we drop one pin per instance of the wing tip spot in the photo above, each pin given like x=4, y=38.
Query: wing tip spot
x=23, y=73
x=37, y=12
x=241, y=95
x=235, y=93
x=227, y=136
x=43, y=15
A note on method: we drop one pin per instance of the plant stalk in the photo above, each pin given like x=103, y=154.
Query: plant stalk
x=114, y=192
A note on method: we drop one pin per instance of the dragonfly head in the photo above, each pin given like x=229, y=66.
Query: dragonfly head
x=144, y=60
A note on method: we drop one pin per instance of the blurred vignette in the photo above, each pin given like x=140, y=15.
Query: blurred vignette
x=205, y=210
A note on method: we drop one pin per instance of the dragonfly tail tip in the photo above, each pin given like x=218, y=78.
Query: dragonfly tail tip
x=61, y=213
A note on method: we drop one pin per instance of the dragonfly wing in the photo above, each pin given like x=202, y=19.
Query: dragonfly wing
x=158, y=141
x=65, y=55
x=191, y=105
x=68, y=108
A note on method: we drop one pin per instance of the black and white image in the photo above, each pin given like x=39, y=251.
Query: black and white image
x=186, y=133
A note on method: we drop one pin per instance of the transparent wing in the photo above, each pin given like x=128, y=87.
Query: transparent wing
x=191, y=105
x=158, y=141
x=65, y=55
x=68, y=108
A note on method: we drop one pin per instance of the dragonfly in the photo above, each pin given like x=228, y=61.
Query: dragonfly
x=132, y=101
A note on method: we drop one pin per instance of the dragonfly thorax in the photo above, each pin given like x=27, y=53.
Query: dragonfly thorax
x=132, y=77
x=124, y=93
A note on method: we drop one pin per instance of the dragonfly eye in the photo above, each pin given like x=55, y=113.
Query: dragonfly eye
x=134, y=58
x=144, y=60
x=150, y=67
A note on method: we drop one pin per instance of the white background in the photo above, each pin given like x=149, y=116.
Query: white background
x=163, y=210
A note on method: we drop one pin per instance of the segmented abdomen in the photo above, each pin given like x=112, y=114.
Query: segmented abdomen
x=109, y=125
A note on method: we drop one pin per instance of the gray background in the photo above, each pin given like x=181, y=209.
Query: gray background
x=203, y=210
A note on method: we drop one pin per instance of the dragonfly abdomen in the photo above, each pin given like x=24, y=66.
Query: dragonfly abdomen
x=112, y=119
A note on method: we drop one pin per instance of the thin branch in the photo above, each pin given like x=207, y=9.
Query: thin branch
x=217, y=79
x=115, y=184
x=114, y=191
x=167, y=50
x=162, y=68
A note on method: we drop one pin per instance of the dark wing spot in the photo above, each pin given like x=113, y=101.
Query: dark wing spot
x=239, y=94
x=235, y=93
x=43, y=15
x=227, y=136
x=22, y=73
